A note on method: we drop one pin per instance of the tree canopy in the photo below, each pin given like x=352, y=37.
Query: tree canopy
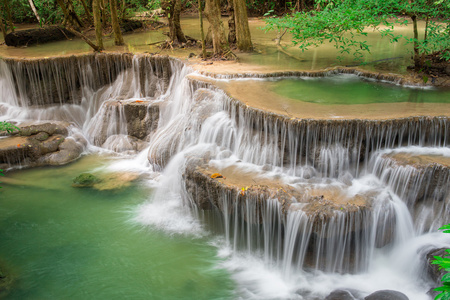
x=345, y=22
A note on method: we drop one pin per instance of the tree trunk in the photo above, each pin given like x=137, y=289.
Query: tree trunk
x=172, y=8
x=8, y=15
x=244, y=39
x=219, y=39
x=416, y=43
x=98, y=24
x=123, y=9
x=103, y=12
x=231, y=23
x=87, y=40
x=64, y=10
x=2, y=25
x=33, y=8
x=87, y=12
x=118, y=39
x=73, y=14
x=201, y=29
x=69, y=16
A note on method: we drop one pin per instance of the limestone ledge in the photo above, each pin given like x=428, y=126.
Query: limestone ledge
x=208, y=186
x=40, y=145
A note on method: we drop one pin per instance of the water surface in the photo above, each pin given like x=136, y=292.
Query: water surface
x=59, y=242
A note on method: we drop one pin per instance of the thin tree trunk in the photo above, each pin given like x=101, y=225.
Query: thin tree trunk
x=33, y=8
x=123, y=9
x=244, y=39
x=9, y=16
x=73, y=14
x=201, y=29
x=103, y=11
x=87, y=12
x=231, y=23
x=64, y=10
x=416, y=43
x=118, y=39
x=172, y=9
x=69, y=16
x=219, y=39
x=2, y=25
x=98, y=24
x=87, y=40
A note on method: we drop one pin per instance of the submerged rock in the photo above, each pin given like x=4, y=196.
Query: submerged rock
x=85, y=180
x=386, y=295
x=106, y=181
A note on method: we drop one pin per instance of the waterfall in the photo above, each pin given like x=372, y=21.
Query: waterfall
x=306, y=202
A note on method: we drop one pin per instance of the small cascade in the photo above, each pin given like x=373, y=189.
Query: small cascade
x=308, y=200
x=421, y=177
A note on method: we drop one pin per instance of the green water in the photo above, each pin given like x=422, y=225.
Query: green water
x=59, y=242
x=350, y=89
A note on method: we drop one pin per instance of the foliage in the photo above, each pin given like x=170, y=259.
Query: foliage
x=344, y=23
x=444, y=263
x=8, y=127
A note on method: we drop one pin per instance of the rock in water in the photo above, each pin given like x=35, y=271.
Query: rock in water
x=387, y=295
x=85, y=180
x=341, y=295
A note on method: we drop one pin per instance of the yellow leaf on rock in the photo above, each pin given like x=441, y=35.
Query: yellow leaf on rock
x=216, y=175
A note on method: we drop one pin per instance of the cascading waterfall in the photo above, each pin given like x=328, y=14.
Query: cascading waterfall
x=263, y=237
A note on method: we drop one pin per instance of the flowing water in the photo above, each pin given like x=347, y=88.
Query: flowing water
x=155, y=242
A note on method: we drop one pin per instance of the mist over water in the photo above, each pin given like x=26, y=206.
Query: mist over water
x=269, y=253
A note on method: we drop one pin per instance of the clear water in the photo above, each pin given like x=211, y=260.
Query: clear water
x=337, y=90
x=59, y=242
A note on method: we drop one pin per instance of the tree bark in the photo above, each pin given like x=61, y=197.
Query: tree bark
x=103, y=12
x=231, y=23
x=33, y=8
x=244, y=39
x=201, y=29
x=73, y=14
x=8, y=14
x=98, y=24
x=2, y=25
x=219, y=39
x=118, y=39
x=69, y=15
x=87, y=12
x=172, y=9
x=416, y=43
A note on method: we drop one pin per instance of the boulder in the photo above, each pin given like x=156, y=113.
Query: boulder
x=40, y=145
x=342, y=295
x=386, y=295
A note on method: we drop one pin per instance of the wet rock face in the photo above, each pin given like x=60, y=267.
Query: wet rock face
x=325, y=217
x=142, y=118
x=40, y=145
x=42, y=81
x=433, y=270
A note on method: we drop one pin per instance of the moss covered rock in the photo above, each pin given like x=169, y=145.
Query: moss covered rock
x=85, y=180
